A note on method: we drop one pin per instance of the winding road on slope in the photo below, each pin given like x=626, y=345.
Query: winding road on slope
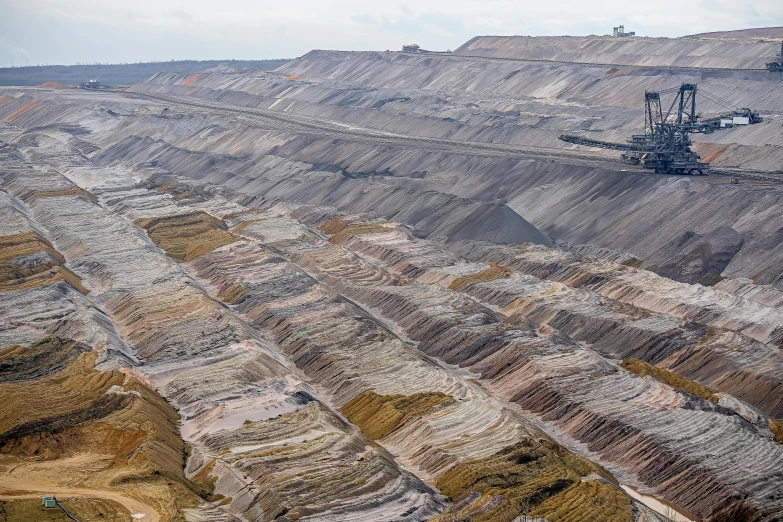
x=33, y=479
x=478, y=57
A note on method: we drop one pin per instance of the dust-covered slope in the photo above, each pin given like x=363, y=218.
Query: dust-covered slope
x=774, y=33
x=654, y=52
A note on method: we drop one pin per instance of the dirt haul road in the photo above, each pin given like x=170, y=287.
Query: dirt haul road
x=34, y=479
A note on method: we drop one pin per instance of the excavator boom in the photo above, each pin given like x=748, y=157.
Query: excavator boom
x=665, y=144
x=587, y=142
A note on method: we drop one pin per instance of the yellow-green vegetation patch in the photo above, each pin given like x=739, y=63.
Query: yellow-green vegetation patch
x=70, y=191
x=15, y=275
x=490, y=274
x=13, y=278
x=776, y=427
x=240, y=227
x=356, y=230
x=18, y=245
x=333, y=226
x=674, y=380
x=530, y=474
x=189, y=236
x=377, y=415
x=204, y=482
x=587, y=501
x=341, y=230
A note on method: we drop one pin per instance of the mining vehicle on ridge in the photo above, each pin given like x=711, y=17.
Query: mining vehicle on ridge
x=619, y=31
x=777, y=64
x=413, y=49
x=665, y=146
x=93, y=84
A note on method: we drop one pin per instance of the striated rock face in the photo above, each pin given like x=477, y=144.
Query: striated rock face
x=326, y=275
x=703, y=259
x=256, y=382
x=433, y=325
x=162, y=324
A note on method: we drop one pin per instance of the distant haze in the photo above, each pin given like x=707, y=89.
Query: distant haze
x=88, y=31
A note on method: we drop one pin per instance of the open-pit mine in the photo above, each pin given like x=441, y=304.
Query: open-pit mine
x=376, y=286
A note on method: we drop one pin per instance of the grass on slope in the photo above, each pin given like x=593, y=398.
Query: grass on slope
x=19, y=274
x=377, y=415
x=70, y=428
x=490, y=274
x=532, y=476
x=776, y=427
x=189, y=236
x=586, y=502
x=674, y=380
x=341, y=230
x=70, y=191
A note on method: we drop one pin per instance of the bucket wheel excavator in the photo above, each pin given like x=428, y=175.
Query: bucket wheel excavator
x=665, y=146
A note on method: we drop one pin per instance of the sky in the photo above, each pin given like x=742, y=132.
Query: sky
x=39, y=32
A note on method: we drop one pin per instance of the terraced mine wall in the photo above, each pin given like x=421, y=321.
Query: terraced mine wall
x=527, y=104
x=444, y=364
x=359, y=324
x=515, y=102
x=454, y=194
x=254, y=420
x=145, y=314
x=638, y=213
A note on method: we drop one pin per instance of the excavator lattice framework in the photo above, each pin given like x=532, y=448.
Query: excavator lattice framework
x=665, y=146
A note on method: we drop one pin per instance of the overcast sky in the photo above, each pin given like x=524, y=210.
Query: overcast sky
x=87, y=31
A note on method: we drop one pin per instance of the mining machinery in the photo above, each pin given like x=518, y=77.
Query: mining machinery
x=92, y=84
x=413, y=49
x=620, y=31
x=665, y=145
x=777, y=65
